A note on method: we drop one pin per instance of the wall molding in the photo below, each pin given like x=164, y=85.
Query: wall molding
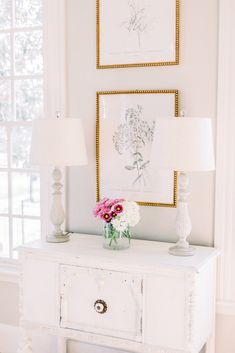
x=225, y=308
x=225, y=174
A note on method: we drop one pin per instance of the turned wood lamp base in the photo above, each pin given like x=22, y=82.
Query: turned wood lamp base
x=179, y=251
x=62, y=238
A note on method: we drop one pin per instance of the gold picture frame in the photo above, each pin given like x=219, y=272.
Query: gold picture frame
x=100, y=139
x=101, y=65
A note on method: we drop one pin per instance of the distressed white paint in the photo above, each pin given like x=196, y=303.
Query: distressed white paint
x=183, y=221
x=25, y=345
x=39, y=282
x=121, y=292
x=160, y=303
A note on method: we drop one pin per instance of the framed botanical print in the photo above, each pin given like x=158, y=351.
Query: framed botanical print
x=125, y=127
x=132, y=33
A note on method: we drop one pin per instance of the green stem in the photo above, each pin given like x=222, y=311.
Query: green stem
x=113, y=235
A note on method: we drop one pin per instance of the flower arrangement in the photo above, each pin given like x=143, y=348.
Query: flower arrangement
x=119, y=215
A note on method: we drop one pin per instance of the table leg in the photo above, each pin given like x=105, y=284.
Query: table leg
x=210, y=344
x=25, y=344
x=61, y=345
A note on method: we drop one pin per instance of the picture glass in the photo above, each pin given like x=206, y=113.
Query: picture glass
x=126, y=126
x=137, y=32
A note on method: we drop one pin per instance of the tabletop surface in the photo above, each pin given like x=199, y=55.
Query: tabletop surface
x=142, y=253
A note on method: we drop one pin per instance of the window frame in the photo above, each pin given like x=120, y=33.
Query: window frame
x=9, y=125
x=54, y=91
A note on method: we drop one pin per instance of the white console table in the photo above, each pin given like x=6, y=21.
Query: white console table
x=139, y=300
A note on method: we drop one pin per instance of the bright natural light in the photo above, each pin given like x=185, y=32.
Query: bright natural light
x=21, y=101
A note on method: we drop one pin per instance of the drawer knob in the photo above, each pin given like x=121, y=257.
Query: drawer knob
x=100, y=306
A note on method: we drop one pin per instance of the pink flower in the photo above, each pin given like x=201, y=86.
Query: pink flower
x=109, y=203
x=118, y=208
x=106, y=217
x=98, y=210
x=106, y=209
x=119, y=200
x=102, y=202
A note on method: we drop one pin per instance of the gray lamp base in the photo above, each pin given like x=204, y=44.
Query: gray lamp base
x=179, y=251
x=60, y=238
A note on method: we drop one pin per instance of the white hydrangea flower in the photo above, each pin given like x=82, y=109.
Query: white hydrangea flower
x=120, y=224
x=131, y=210
x=129, y=217
x=133, y=220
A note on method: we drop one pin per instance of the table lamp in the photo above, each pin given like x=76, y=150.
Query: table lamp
x=183, y=145
x=58, y=143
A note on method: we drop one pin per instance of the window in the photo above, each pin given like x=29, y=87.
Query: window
x=21, y=101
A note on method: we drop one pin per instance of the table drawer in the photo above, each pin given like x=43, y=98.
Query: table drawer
x=102, y=302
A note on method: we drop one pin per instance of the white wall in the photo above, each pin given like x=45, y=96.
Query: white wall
x=9, y=303
x=195, y=78
x=225, y=338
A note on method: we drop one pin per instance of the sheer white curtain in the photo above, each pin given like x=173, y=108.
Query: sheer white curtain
x=225, y=175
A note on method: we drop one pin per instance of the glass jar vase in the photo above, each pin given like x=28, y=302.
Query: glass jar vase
x=116, y=240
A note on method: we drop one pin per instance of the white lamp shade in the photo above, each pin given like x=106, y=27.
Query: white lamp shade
x=183, y=144
x=58, y=142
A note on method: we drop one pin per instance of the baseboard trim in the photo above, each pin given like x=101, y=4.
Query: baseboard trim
x=225, y=308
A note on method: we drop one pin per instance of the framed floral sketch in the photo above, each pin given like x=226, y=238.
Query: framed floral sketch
x=132, y=33
x=125, y=126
